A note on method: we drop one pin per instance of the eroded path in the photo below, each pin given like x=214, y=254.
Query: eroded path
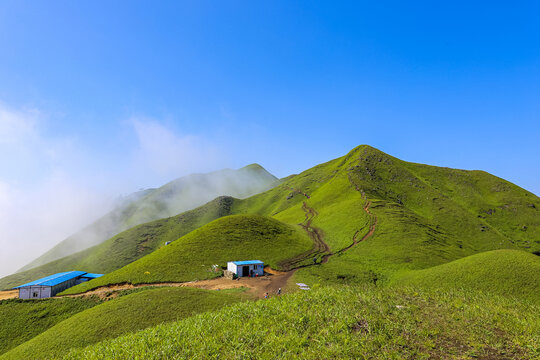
x=317, y=234
x=372, y=224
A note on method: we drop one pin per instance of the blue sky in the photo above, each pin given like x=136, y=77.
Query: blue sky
x=105, y=97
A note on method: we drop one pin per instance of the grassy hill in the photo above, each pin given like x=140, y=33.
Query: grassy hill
x=125, y=314
x=127, y=246
x=344, y=322
x=464, y=240
x=504, y=272
x=23, y=320
x=237, y=237
x=175, y=197
x=426, y=216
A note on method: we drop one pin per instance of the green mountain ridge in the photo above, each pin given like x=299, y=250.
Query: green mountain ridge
x=177, y=196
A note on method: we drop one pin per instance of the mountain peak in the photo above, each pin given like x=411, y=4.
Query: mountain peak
x=253, y=166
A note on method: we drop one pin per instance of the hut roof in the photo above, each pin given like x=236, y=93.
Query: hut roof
x=248, y=262
x=55, y=279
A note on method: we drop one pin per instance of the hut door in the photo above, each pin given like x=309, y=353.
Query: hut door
x=245, y=270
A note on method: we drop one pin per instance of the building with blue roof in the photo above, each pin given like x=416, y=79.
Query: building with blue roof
x=91, y=276
x=53, y=284
x=246, y=268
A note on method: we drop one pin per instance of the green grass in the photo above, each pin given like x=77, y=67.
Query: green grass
x=482, y=305
x=505, y=272
x=237, y=237
x=21, y=320
x=125, y=314
x=345, y=322
x=421, y=223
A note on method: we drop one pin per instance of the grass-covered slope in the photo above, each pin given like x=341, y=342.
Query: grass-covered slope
x=346, y=323
x=504, y=272
x=236, y=237
x=125, y=314
x=22, y=320
x=127, y=246
x=170, y=199
x=420, y=222
x=426, y=216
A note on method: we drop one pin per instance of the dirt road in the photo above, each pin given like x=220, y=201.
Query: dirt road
x=256, y=286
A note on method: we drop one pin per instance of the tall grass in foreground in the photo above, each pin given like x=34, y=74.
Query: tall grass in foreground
x=21, y=320
x=347, y=322
x=134, y=310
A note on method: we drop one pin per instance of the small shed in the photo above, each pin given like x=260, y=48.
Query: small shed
x=53, y=284
x=246, y=268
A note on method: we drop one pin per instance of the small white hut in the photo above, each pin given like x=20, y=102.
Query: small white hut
x=246, y=268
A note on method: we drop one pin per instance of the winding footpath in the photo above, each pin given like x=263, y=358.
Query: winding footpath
x=317, y=234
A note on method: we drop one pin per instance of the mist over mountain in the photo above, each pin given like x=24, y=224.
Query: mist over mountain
x=177, y=196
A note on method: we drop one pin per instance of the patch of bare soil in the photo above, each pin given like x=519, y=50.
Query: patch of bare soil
x=9, y=294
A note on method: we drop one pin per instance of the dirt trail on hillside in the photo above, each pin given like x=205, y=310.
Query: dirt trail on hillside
x=315, y=233
x=320, y=247
x=373, y=220
x=373, y=223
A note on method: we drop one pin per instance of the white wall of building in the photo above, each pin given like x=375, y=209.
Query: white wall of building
x=35, y=292
x=255, y=269
x=231, y=267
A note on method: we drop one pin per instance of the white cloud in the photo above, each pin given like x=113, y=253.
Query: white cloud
x=51, y=187
x=170, y=154
x=40, y=201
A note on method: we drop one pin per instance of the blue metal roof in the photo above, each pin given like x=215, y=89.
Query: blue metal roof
x=248, y=262
x=55, y=279
x=92, y=276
